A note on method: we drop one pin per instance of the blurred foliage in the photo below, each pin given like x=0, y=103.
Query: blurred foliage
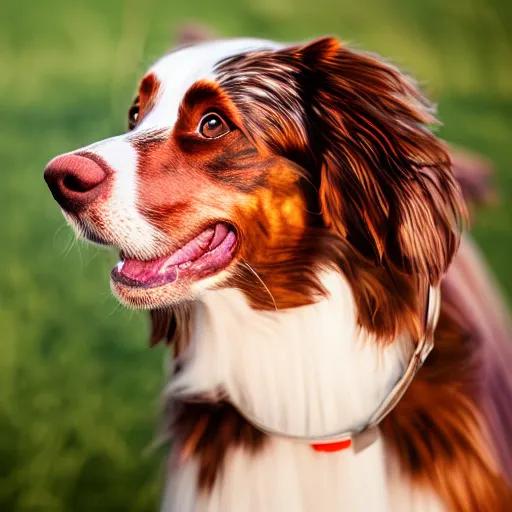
x=78, y=386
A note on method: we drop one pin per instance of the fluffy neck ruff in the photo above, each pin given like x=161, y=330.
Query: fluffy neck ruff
x=304, y=371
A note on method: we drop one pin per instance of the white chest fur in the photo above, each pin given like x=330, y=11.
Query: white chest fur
x=305, y=371
x=291, y=477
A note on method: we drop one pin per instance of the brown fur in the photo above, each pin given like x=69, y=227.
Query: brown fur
x=384, y=180
x=207, y=431
x=339, y=169
x=449, y=430
x=442, y=429
x=144, y=101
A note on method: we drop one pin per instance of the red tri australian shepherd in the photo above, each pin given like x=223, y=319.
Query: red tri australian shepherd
x=294, y=227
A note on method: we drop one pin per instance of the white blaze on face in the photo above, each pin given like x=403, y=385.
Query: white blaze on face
x=179, y=70
x=121, y=222
x=116, y=218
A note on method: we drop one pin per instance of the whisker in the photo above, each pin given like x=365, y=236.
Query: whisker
x=106, y=297
x=77, y=243
x=57, y=231
x=261, y=281
x=112, y=312
x=93, y=256
x=71, y=243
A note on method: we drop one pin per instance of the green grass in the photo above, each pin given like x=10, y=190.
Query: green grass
x=78, y=386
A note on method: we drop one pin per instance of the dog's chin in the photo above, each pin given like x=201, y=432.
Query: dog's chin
x=177, y=277
x=159, y=297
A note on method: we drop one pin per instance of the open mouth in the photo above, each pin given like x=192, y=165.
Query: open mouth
x=209, y=252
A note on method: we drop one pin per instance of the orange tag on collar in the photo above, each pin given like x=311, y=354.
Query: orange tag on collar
x=332, y=447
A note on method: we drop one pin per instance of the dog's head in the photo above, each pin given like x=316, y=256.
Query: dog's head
x=253, y=164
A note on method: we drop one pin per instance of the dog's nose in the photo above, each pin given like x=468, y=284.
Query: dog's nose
x=75, y=181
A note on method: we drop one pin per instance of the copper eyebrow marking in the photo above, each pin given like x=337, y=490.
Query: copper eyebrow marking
x=148, y=85
x=146, y=97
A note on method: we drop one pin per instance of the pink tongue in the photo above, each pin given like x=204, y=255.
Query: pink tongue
x=145, y=271
x=142, y=270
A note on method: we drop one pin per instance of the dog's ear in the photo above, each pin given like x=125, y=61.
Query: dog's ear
x=386, y=183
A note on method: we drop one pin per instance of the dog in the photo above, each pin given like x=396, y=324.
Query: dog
x=295, y=229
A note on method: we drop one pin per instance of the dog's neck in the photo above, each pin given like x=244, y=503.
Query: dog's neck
x=305, y=371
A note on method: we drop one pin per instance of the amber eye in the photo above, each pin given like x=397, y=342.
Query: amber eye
x=133, y=116
x=212, y=126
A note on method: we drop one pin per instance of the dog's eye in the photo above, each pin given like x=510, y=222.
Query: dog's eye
x=212, y=126
x=133, y=117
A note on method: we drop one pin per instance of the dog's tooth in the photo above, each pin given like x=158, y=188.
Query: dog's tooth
x=120, y=265
x=165, y=267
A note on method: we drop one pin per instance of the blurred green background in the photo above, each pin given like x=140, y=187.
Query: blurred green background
x=79, y=387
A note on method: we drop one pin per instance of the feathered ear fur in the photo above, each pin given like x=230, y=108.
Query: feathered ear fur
x=386, y=183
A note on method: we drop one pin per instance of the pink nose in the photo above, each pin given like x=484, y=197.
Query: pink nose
x=75, y=181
